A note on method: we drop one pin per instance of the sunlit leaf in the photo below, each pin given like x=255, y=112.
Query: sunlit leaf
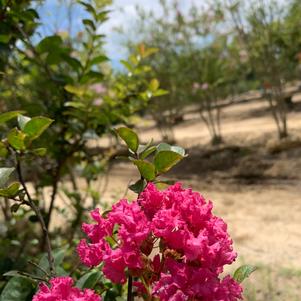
x=165, y=160
x=129, y=137
x=77, y=90
x=16, y=139
x=154, y=85
x=36, y=126
x=146, y=169
x=9, y=115
x=11, y=190
x=41, y=151
x=243, y=272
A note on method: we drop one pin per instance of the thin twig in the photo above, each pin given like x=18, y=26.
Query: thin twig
x=40, y=217
x=38, y=267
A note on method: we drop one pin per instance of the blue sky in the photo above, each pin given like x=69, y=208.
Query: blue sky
x=54, y=18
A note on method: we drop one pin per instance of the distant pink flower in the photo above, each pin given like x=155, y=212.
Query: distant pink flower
x=196, y=86
x=62, y=289
x=99, y=88
x=205, y=86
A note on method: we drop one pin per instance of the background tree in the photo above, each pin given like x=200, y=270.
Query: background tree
x=262, y=33
x=68, y=79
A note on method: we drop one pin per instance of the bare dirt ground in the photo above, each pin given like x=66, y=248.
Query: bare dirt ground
x=255, y=187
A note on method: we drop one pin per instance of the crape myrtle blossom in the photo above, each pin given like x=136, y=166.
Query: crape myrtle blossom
x=62, y=289
x=191, y=243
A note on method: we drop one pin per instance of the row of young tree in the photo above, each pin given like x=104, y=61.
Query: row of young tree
x=212, y=53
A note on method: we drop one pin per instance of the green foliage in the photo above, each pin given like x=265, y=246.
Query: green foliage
x=165, y=157
x=11, y=190
x=4, y=117
x=129, y=137
x=89, y=280
x=243, y=272
x=165, y=160
x=5, y=173
x=35, y=127
x=146, y=169
x=17, y=289
x=60, y=95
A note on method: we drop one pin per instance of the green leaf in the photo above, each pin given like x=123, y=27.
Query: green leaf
x=9, y=115
x=102, y=16
x=72, y=62
x=89, y=280
x=91, y=77
x=17, y=289
x=88, y=7
x=178, y=149
x=160, y=92
x=89, y=23
x=74, y=104
x=40, y=151
x=77, y=90
x=146, y=169
x=11, y=190
x=129, y=137
x=163, y=146
x=5, y=38
x=139, y=186
x=49, y=44
x=147, y=152
x=243, y=272
x=127, y=65
x=16, y=139
x=58, y=256
x=22, y=120
x=144, y=147
x=3, y=150
x=154, y=85
x=98, y=60
x=5, y=173
x=174, y=148
x=36, y=126
x=165, y=160
x=15, y=207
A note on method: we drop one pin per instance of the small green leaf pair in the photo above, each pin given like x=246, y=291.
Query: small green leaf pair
x=165, y=157
x=29, y=130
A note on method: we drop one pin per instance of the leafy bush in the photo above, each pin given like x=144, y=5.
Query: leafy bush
x=151, y=240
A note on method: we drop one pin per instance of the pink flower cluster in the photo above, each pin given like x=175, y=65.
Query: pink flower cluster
x=191, y=243
x=61, y=289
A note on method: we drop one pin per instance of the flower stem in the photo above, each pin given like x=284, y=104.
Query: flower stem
x=130, y=289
